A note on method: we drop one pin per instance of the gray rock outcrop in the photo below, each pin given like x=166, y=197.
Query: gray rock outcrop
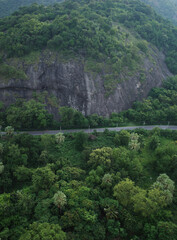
x=72, y=86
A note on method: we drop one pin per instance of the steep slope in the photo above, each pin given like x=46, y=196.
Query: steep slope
x=7, y=7
x=88, y=92
x=97, y=59
x=166, y=8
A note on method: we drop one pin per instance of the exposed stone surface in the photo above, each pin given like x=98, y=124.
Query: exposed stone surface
x=76, y=88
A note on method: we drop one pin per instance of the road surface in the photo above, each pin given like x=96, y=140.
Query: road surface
x=117, y=129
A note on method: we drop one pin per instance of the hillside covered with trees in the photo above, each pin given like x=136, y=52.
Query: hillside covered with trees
x=97, y=186
x=166, y=8
x=112, y=36
x=106, y=31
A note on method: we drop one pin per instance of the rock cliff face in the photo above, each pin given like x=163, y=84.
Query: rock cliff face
x=79, y=89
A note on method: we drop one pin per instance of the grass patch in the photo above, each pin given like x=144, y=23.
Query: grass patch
x=31, y=58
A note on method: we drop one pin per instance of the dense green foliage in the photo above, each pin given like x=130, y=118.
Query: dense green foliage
x=52, y=189
x=27, y=115
x=7, y=7
x=167, y=8
x=159, y=107
x=44, y=231
x=72, y=28
x=89, y=186
x=97, y=30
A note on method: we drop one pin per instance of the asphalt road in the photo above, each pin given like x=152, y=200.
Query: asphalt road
x=117, y=129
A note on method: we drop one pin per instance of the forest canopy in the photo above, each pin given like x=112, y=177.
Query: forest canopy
x=98, y=186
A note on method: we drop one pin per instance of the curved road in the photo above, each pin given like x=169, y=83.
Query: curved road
x=90, y=130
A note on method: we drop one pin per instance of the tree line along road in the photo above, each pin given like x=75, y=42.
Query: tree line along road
x=90, y=130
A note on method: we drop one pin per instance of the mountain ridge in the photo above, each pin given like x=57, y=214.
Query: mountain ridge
x=8, y=7
x=166, y=8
